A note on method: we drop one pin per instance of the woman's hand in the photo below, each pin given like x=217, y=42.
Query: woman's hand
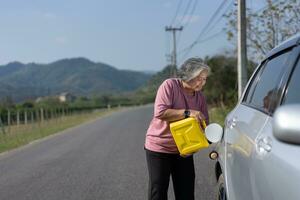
x=197, y=115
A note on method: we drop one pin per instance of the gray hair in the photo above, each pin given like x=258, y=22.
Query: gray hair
x=191, y=68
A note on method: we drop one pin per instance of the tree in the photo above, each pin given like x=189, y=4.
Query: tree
x=27, y=104
x=147, y=93
x=7, y=102
x=268, y=27
x=221, y=86
x=49, y=102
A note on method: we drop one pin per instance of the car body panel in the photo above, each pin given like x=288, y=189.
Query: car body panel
x=276, y=173
x=286, y=44
x=255, y=164
x=239, y=142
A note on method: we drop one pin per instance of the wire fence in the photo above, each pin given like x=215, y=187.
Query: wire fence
x=11, y=119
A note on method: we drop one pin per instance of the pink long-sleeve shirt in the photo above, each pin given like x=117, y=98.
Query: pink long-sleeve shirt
x=170, y=95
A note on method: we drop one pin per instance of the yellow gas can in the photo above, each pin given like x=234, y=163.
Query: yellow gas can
x=188, y=135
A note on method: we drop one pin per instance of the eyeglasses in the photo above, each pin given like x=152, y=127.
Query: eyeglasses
x=201, y=78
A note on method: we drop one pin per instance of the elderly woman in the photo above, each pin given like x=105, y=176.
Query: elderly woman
x=176, y=99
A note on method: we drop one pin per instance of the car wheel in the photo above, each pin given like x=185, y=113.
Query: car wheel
x=221, y=188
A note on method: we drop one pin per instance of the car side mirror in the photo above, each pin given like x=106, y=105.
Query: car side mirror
x=286, y=126
x=214, y=132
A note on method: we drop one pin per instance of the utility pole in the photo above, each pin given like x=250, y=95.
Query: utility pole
x=242, y=49
x=174, y=58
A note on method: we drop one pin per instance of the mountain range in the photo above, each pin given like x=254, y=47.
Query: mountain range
x=78, y=76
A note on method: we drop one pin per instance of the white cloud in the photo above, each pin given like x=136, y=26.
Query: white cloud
x=167, y=4
x=188, y=19
x=49, y=16
x=61, y=40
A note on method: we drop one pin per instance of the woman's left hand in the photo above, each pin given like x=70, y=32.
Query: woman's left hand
x=197, y=115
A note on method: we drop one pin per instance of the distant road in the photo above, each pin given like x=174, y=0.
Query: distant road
x=100, y=160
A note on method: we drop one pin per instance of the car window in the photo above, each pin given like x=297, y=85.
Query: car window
x=293, y=90
x=252, y=84
x=264, y=96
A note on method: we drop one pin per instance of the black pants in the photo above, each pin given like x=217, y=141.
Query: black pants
x=161, y=166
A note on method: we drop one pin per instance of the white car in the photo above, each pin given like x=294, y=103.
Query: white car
x=259, y=152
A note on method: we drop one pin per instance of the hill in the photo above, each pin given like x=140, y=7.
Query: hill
x=78, y=76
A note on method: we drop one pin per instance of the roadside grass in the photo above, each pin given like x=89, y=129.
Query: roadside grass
x=16, y=136
x=218, y=114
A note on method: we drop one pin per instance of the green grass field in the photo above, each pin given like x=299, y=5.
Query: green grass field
x=16, y=136
x=21, y=135
x=218, y=114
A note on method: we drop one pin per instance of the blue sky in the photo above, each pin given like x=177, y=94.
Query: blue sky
x=127, y=34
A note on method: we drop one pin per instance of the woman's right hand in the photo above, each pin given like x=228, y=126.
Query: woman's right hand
x=197, y=115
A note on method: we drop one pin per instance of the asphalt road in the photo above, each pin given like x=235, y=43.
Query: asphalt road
x=100, y=160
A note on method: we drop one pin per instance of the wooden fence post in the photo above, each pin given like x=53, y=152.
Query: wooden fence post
x=37, y=116
x=8, y=117
x=32, y=117
x=42, y=115
x=18, y=117
x=2, y=126
x=25, y=117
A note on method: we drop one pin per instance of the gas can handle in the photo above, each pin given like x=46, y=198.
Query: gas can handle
x=203, y=123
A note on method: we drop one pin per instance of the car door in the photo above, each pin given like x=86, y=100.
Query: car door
x=276, y=165
x=245, y=123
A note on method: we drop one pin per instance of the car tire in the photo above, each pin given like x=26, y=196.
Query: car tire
x=221, y=192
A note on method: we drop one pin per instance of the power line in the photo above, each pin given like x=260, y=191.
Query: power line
x=208, y=26
x=210, y=21
x=221, y=16
x=190, y=15
x=202, y=33
x=198, y=42
x=176, y=13
x=180, y=22
x=187, y=20
x=185, y=12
